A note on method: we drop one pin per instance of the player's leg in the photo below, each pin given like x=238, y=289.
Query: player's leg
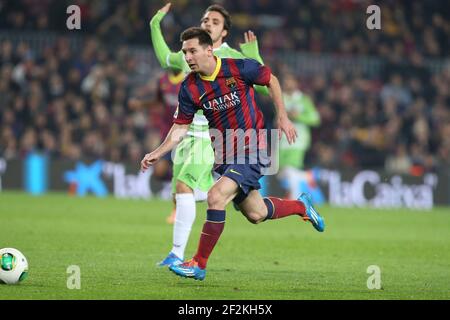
x=253, y=207
x=183, y=198
x=183, y=218
x=191, y=172
x=196, y=174
x=222, y=192
x=171, y=217
x=163, y=170
x=199, y=195
x=258, y=209
x=176, y=169
x=289, y=158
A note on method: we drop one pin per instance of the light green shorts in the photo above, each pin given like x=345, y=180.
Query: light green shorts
x=193, y=163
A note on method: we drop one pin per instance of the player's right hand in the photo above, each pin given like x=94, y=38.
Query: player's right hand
x=249, y=36
x=166, y=8
x=148, y=160
x=285, y=125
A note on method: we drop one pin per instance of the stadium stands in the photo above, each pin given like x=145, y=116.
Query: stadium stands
x=383, y=95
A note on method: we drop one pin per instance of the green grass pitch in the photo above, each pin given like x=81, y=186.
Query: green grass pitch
x=116, y=244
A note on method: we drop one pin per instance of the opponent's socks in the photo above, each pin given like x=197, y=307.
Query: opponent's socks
x=212, y=229
x=279, y=208
x=184, y=219
x=200, y=195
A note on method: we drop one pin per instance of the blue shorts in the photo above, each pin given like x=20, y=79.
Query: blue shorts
x=168, y=157
x=245, y=175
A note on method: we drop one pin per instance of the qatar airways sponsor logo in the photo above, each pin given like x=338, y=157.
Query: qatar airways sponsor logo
x=224, y=102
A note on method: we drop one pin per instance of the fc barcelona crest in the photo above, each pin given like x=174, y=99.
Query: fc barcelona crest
x=231, y=83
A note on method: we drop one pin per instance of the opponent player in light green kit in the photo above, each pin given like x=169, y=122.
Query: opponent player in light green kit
x=302, y=112
x=191, y=172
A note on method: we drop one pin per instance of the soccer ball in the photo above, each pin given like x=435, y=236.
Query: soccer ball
x=13, y=266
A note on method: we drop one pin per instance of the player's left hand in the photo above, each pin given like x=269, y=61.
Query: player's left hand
x=285, y=125
x=249, y=36
x=166, y=8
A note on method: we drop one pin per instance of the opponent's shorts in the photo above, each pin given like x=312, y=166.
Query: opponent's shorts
x=167, y=157
x=193, y=163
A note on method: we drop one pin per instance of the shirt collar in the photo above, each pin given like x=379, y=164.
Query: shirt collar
x=213, y=76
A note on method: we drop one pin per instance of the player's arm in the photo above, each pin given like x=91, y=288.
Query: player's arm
x=175, y=135
x=182, y=119
x=283, y=122
x=166, y=58
x=250, y=49
x=254, y=73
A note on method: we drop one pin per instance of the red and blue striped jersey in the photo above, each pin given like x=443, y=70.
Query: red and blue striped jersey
x=227, y=97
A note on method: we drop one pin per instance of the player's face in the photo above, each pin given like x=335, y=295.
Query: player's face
x=196, y=55
x=213, y=23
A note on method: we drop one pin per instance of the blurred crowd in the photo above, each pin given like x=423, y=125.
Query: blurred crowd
x=402, y=123
x=74, y=104
x=70, y=105
x=337, y=26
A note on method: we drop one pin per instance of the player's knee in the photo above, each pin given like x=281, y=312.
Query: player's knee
x=181, y=187
x=215, y=199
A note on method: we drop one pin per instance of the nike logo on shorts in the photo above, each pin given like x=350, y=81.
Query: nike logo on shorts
x=235, y=172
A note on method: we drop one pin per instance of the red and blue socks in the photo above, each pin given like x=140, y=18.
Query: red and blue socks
x=279, y=208
x=215, y=222
x=212, y=229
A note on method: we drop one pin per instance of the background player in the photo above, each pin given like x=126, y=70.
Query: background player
x=302, y=112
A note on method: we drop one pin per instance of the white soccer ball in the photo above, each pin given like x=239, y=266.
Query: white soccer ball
x=13, y=266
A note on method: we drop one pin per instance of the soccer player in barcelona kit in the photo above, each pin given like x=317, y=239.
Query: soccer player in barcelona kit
x=190, y=175
x=223, y=89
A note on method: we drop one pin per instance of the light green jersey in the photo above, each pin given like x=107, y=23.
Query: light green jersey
x=307, y=116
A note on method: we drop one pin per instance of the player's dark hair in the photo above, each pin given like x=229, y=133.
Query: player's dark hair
x=225, y=14
x=204, y=39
